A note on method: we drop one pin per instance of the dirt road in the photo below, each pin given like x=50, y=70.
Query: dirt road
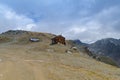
x=19, y=62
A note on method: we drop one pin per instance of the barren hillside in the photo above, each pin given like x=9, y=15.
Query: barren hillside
x=21, y=59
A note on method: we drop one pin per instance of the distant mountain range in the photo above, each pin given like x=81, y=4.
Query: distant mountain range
x=106, y=50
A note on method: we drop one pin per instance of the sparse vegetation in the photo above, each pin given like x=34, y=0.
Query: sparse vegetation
x=42, y=61
x=26, y=39
x=4, y=39
x=108, y=60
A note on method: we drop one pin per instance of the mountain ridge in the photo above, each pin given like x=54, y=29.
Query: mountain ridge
x=107, y=47
x=21, y=59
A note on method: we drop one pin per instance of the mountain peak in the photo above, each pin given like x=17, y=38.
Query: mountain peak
x=108, y=40
x=108, y=47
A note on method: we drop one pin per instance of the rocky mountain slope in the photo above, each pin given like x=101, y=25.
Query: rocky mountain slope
x=21, y=59
x=108, y=47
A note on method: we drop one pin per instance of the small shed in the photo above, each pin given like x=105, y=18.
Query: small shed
x=58, y=39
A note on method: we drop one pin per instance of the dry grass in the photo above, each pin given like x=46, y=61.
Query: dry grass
x=4, y=39
x=24, y=63
x=41, y=61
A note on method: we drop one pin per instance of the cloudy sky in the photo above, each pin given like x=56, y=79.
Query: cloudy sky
x=87, y=20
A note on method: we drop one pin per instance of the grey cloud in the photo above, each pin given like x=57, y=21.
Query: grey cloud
x=88, y=20
x=103, y=24
x=50, y=9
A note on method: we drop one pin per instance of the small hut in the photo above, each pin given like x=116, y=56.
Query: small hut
x=58, y=39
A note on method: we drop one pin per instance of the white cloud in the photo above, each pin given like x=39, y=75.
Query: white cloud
x=101, y=25
x=28, y=27
x=79, y=19
x=9, y=19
